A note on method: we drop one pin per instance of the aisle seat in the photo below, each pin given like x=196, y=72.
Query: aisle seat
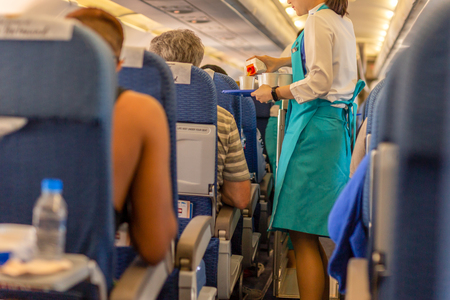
x=197, y=172
x=410, y=222
x=149, y=74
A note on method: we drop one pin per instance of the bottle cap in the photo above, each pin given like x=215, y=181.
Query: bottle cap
x=51, y=185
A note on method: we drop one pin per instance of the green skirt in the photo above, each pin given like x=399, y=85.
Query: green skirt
x=316, y=174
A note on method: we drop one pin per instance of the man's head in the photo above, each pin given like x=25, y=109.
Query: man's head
x=106, y=25
x=181, y=45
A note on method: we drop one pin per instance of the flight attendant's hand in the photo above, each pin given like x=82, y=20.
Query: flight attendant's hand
x=263, y=94
x=271, y=63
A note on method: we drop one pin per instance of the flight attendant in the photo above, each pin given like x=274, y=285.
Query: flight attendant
x=320, y=125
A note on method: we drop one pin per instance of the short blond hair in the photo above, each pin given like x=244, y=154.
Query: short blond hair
x=181, y=45
x=105, y=24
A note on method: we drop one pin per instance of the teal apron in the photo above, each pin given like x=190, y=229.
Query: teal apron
x=314, y=165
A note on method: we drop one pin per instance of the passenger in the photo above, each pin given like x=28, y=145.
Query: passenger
x=140, y=149
x=183, y=45
x=315, y=159
x=360, y=148
x=215, y=68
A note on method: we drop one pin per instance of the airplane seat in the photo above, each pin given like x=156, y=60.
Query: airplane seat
x=408, y=224
x=420, y=133
x=65, y=89
x=197, y=176
x=231, y=103
x=155, y=78
x=371, y=101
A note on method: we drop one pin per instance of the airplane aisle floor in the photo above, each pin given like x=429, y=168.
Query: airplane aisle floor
x=261, y=288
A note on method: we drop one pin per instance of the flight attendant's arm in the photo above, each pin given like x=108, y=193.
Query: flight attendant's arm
x=319, y=55
x=273, y=63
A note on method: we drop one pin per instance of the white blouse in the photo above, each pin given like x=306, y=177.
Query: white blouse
x=330, y=49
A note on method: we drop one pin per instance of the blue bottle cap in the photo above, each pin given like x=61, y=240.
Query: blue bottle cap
x=51, y=185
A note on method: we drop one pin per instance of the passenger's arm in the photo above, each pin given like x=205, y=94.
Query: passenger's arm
x=142, y=166
x=236, y=193
x=235, y=189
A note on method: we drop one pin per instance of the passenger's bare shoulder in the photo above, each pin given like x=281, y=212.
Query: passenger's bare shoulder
x=140, y=105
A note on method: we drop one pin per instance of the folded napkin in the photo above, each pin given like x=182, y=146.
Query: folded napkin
x=15, y=267
x=11, y=124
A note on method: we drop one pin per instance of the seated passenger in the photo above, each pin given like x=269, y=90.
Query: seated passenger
x=183, y=45
x=215, y=68
x=140, y=150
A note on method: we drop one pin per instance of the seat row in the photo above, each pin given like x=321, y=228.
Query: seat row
x=405, y=200
x=68, y=136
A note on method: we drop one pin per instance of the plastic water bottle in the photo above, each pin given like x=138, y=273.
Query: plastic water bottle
x=49, y=219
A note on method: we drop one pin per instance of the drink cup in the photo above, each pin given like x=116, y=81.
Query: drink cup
x=270, y=79
x=259, y=76
x=284, y=79
x=246, y=82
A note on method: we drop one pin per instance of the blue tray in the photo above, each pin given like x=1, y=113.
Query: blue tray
x=244, y=93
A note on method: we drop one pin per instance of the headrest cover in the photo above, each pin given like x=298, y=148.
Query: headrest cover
x=133, y=57
x=181, y=72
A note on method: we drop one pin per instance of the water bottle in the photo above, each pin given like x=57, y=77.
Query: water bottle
x=49, y=219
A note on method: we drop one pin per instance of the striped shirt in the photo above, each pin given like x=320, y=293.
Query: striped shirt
x=231, y=163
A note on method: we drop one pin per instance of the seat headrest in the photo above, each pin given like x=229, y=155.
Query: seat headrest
x=42, y=78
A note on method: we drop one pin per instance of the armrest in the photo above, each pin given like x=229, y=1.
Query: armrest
x=226, y=222
x=358, y=280
x=141, y=281
x=193, y=243
x=254, y=194
x=266, y=185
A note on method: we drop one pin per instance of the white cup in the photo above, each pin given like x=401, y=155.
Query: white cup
x=246, y=82
x=284, y=79
x=270, y=79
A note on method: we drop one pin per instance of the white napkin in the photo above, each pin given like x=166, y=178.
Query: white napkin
x=14, y=267
x=181, y=72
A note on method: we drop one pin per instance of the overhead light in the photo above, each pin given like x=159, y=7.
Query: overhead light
x=386, y=26
x=378, y=49
x=389, y=14
x=383, y=33
x=290, y=11
x=283, y=1
x=381, y=38
x=394, y=3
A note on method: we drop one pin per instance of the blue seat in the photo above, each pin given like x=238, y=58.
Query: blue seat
x=409, y=252
x=201, y=108
x=66, y=90
x=231, y=103
x=155, y=79
x=422, y=114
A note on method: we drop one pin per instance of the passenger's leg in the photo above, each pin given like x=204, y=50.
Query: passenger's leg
x=310, y=272
x=323, y=255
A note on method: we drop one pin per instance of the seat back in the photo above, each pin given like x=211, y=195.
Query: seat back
x=249, y=128
x=66, y=90
x=197, y=107
x=197, y=104
x=231, y=103
x=155, y=79
x=422, y=97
